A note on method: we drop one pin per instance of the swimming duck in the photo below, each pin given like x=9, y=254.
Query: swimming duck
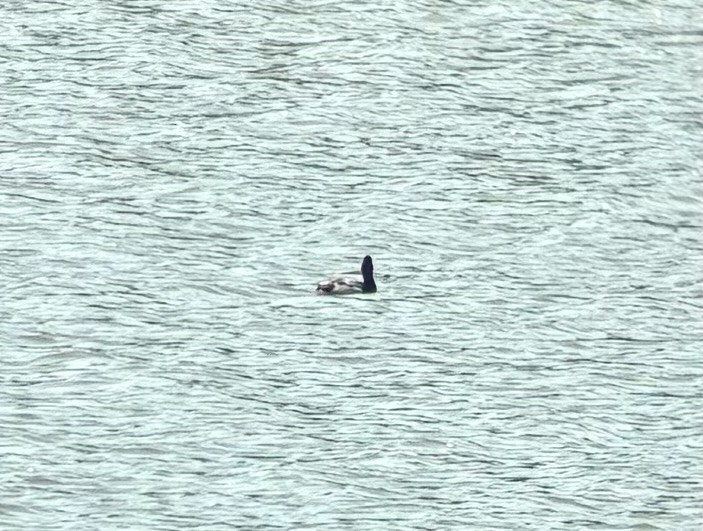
x=343, y=286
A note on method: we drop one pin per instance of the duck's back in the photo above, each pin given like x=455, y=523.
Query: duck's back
x=339, y=286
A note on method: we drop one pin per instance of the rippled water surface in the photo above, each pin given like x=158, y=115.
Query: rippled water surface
x=175, y=177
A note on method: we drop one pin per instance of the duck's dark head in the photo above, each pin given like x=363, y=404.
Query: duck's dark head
x=367, y=273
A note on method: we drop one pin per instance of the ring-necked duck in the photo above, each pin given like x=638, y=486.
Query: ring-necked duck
x=343, y=286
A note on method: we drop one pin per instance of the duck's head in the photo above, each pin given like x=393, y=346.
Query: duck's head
x=367, y=273
x=367, y=265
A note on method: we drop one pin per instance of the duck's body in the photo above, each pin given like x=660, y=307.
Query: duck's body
x=345, y=285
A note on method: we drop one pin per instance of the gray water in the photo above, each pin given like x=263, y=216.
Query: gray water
x=175, y=177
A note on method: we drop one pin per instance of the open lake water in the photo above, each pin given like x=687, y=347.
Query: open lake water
x=175, y=177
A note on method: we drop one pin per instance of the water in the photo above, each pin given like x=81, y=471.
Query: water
x=176, y=177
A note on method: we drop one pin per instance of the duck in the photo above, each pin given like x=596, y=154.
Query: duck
x=344, y=285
